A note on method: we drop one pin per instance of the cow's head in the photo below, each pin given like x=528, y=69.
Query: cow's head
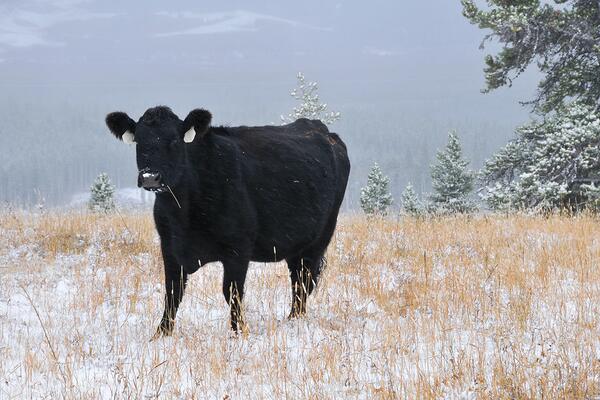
x=160, y=138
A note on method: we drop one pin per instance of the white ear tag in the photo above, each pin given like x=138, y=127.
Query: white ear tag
x=128, y=137
x=189, y=135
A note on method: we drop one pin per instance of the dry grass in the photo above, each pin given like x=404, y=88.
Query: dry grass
x=486, y=308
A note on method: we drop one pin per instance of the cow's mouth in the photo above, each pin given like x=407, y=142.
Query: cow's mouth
x=151, y=181
x=161, y=189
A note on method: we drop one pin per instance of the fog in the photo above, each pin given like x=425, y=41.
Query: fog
x=402, y=74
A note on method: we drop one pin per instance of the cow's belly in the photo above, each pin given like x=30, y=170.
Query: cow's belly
x=273, y=236
x=195, y=251
x=283, y=244
x=268, y=253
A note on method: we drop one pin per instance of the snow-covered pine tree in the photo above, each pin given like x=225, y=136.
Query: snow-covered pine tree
x=310, y=105
x=375, y=198
x=554, y=162
x=451, y=180
x=411, y=205
x=558, y=37
x=551, y=163
x=102, y=192
x=410, y=202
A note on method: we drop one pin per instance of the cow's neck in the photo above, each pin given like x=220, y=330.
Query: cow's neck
x=199, y=184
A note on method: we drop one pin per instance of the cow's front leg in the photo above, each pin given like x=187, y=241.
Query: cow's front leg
x=175, y=283
x=234, y=276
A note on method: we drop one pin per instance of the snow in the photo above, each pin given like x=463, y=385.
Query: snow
x=226, y=22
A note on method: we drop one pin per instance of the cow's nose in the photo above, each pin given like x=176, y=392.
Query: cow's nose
x=149, y=179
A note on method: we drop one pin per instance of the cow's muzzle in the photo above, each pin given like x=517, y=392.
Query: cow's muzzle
x=151, y=180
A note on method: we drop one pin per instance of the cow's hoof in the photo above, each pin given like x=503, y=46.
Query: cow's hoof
x=156, y=336
x=162, y=331
x=240, y=329
x=296, y=313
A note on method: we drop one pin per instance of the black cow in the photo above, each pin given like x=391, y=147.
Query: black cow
x=236, y=194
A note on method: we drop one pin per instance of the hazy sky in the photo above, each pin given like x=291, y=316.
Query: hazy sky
x=425, y=49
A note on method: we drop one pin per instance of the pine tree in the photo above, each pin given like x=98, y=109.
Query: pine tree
x=375, y=198
x=551, y=162
x=410, y=202
x=310, y=105
x=451, y=180
x=560, y=39
x=102, y=192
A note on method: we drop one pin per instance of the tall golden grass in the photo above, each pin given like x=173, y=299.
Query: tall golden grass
x=487, y=307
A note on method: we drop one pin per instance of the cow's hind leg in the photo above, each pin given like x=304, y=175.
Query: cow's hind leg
x=306, y=268
x=304, y=274
x=234, y=276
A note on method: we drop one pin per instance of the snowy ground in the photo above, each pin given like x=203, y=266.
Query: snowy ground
x=451, y=308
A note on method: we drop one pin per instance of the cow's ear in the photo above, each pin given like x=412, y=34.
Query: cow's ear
x=196, y=124
x=121, y=126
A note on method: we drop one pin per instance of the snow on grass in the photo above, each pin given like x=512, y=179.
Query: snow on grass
x=488, y=307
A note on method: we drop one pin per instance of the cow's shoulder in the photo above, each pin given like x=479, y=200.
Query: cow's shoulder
x=310, y=124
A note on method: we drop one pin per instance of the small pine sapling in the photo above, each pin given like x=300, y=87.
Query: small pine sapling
x=102, y=192
x=375, y=198
x=310, y=105
x=452, y=182
x=411, y=205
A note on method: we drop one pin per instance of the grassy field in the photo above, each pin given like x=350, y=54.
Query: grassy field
x=488, y=307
